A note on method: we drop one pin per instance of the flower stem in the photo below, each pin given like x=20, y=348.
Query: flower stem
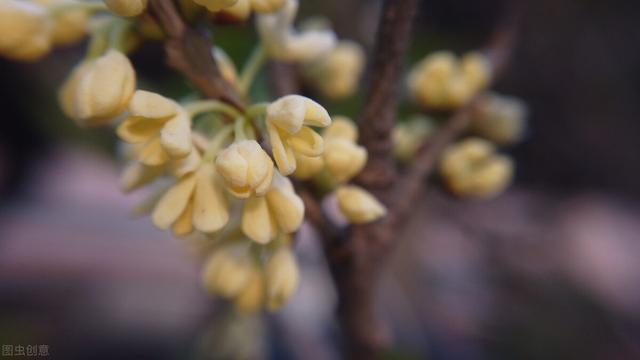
x=218, y=142
x=90, y=6
x=256, y=109
x=238, y=129
x=216, y=106
x=118, y=32
x=251, y=68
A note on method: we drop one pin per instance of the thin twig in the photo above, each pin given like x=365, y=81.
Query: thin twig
x=189, y=51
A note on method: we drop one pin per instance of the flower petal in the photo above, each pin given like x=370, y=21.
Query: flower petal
x=257, y=222
x=210, y=208
x=152, y=154
x=151, y=105
x=288, y=113
x=284, y=156
x=285, y=205
x=173, y=202
x=135, y=130
x=184, y=226
x=176, y=135
x=306, y=142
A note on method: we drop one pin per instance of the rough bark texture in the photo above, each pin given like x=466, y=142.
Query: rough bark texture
x=189, y=51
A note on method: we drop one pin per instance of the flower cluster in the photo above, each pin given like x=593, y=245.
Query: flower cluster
x=30, y=29
x=230, y=172
x=441, y=81
x=217, y=170
x=472, y=168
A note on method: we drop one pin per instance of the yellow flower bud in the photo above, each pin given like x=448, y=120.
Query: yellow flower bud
x=267, y=6
x=127, y=8
x=246, y=168
x=68, y=27
x=25, y=29
x=280, y=210
x=341, y=128
x=307, y=166
x=216, y=5
x=441, y=81
x=288, y=120
x=98, y=90
x=162, y=125
x=472, y=168
x=197, y=200
x=343, y=159
x=337, y=74
x=282, y=277
x=282, y=42
x=229, y=270
x=410, y=135
x=251, y=297
x=501, y=119
x=358, y=205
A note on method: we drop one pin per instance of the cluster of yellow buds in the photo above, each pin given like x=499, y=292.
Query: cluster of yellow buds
x=499, y=118
x=336, y=74
x=342, y=160
x=283, y=42
x=472, y=168
x=250, y=277
x=441, y=81
x=30, y=29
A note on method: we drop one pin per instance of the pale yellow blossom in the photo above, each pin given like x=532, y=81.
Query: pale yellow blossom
x=358, y=206
x=246, y=168
x=288, y=120
x=473, y=168
x=162, y=125
x=285, y=43
x=337, y=74
x=280, y=210
x=69, y=26
x=26, y=30
x=98, y=90
x=442, y=81
x=282, y=277
x=197, y=201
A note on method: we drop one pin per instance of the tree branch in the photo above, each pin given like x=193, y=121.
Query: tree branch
x=379, y=113
x=189, y=51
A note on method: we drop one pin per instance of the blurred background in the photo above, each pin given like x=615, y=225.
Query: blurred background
x=548, y=270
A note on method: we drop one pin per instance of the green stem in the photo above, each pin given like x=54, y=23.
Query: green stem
x=251, y=68
x=256, y=110
x=238, y=129
x=198, y=107
x=90, y=6
x=119, y=29
x=218, y=142
x=98, y=43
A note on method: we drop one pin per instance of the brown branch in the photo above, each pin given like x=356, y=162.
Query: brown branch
x=282, y=78
x=355, y=260
x=379, y=113
x=189, y=51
